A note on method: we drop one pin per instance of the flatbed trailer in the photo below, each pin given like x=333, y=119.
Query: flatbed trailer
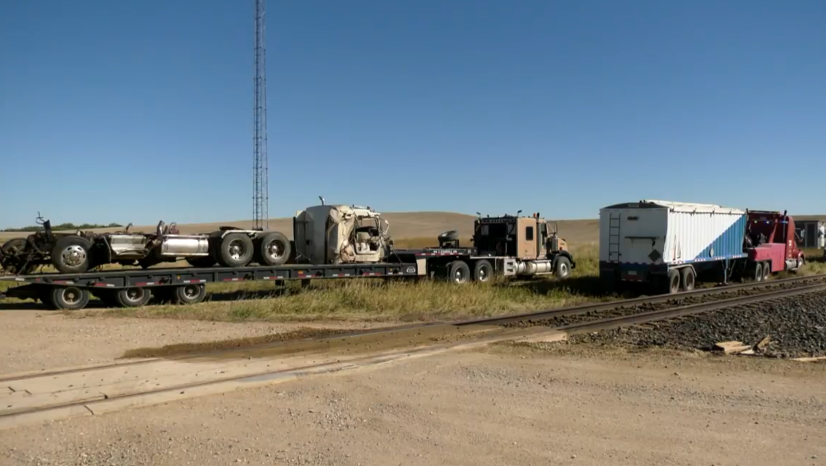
x=184, y=285
x=464, y=264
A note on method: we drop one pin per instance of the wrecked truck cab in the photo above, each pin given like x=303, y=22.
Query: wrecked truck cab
x=340, y=234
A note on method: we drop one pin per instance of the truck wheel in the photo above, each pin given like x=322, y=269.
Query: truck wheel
x=71, y=254
x=235, y=250
x=9, y=255
x=190, y=294
x=673, y=283
x=687, y=279
x=563, y=268
x=273, y=249
x=767, y=270
x=133, y=297
x=482, y=271
x=758, y=272
x=201, y=261
x=66, y=298
x=458, y=272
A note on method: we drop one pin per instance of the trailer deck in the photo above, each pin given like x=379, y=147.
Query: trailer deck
x=39, y=286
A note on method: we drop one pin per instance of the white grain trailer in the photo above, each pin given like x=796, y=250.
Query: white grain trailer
x=668, y=244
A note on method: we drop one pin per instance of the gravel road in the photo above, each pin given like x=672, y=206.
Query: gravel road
x=512, y=405
x=796, y=327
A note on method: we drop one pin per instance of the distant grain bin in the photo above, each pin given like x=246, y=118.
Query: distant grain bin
x=811, y=233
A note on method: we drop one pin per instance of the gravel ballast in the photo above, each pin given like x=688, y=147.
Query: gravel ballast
x=796, y=327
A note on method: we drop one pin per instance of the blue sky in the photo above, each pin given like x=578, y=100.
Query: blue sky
x=134, y=111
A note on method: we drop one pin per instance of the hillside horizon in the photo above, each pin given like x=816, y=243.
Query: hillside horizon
x=414, y=224
x=417, y=224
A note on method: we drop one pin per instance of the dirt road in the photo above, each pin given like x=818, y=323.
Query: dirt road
x=35, y=340
x=505, y=405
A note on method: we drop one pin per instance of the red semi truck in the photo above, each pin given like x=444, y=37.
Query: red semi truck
x=771, y=240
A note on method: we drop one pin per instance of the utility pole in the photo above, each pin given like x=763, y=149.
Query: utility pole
x=260, y=176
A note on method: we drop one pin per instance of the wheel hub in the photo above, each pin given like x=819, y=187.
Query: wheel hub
x=70, y=296
x=73, y=256
x=134, y=294
x=236, y=249
x=275, y=249
x=191, y=291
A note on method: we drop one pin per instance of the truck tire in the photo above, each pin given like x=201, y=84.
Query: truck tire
x=9, y=255
x=72, y=254
x=68, y=298
x=482, y=271
x=189, y=294
x=687, y=279
x=133, y=297
x=458, y=272
x=235, y=250
x=273, y=249
x=563, y=268
x=201, y=261
x=767, y=270
x=672, y=284
x=757, y=272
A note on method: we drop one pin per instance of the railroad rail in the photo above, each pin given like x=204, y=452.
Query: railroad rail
x=39, y=396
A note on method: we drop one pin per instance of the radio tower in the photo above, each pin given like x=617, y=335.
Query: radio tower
x=260, y=177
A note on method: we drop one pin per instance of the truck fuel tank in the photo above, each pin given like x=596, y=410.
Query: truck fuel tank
x=185, y=245
x=534, y=267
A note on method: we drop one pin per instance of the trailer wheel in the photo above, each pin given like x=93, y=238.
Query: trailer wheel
x=71, y=254
x=190, y=294
x=563, y=268
x=68, y=298
x=687, y=279
x=201, y=261
x=482, y=271
x=235, y=250
x=673, y=281
x=133, y=297
x=273, y=249
x=458, y=272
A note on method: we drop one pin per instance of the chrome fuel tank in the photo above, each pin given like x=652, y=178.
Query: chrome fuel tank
x=125, y=244
x=185, y=246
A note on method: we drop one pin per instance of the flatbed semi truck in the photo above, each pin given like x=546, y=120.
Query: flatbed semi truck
x=509, y=246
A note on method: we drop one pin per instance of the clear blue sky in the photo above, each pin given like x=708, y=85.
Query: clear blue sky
x=141, y=110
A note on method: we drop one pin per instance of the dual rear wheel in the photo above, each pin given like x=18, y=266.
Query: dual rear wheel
x=680, y=280
x=238, y=249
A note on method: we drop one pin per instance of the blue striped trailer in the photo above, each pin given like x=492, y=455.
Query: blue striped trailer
x=670, y=245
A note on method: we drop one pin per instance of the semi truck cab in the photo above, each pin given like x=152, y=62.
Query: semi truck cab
x=771, y=238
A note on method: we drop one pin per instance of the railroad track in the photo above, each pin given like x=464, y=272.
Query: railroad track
x=39, y=396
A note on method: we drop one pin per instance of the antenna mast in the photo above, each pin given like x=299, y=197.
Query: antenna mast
x=260, y=176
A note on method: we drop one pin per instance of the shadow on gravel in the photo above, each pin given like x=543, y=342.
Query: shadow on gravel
x=21, y=306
